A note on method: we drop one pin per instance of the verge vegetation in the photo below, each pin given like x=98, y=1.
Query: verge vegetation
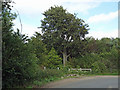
x=32, y=62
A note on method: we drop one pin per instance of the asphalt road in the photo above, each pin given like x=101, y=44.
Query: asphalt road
x=91, y=82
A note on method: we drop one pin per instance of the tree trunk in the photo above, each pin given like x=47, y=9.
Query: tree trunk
x=65, y=56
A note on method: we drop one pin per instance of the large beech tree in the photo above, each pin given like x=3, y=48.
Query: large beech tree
x=62, y=30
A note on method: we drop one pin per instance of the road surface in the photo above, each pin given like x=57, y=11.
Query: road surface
x=87, y=82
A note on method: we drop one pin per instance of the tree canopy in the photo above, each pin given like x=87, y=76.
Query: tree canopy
x=62, y=29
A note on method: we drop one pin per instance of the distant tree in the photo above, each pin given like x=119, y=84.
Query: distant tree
x=62, y=30
x=90, y=45
x=104, y=45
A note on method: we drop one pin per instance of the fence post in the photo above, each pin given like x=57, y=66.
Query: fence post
x=58, y=68
x=44, y=68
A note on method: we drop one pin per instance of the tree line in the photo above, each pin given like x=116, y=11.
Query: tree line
x=62, y=44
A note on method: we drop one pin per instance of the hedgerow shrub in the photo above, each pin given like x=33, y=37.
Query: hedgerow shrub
x=48, y=73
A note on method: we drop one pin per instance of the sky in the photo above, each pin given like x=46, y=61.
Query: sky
x=100, y=15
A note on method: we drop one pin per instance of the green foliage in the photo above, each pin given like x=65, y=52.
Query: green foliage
x=48, y=73
x=98, y=67
x=110, y=59
x=53, y=60
x=85, y=61
x=38, y=48
x=18, y=62
x=62, y=30
x=100, y=61
x=45, y=76
x=63, y=34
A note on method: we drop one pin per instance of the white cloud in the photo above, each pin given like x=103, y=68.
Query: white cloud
x=26, y=28
x=30, y=30
x=32, y=7
x=77, y=7
x=91, y=0
x=103, y=17
x=100, y=34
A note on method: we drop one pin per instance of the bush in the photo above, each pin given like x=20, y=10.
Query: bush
x=98, y=67
x=19, y=65
x=86, y=61
x=48, y=73
x=53, y=60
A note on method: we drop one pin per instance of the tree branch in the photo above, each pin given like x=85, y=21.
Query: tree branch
x=61, y=51
x=68, y=55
